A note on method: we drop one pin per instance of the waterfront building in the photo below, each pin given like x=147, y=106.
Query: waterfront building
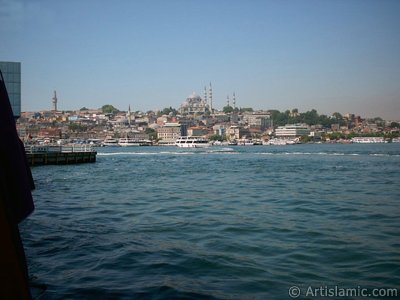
x=170, y=132
x=220, y=129
x=292, y=130
x=12, y=77
x=194, y=104
x=260, y=119
x=197, y=131
x=237, y=132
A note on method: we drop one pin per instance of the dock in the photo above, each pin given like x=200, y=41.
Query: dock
x=60, y=155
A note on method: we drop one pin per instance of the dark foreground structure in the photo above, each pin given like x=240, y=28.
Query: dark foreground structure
x=16, y=204
x=60, y=155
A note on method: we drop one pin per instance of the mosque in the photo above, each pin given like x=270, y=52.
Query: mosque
x=195, y=104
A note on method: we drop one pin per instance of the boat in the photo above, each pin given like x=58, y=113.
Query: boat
x=246, y=142
x=128, y=142
x=232, y=143
x=396, y=140
x=281, y=141
x=192, y=142
x=110, y=142
x=368, y=140
x=145, y=143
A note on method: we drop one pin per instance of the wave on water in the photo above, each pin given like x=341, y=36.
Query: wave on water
x=124, y=153
x=308, y=153
x=330, y=154
x=232, y=151
x=222, y=150
x=143, y=153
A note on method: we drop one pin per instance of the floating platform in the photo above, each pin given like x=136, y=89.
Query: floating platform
x=60, y=155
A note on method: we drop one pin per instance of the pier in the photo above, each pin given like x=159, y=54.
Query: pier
x=60, y=155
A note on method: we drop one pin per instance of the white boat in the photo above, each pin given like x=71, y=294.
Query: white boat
x=396, y=140
x=192, y=142
x=246, y=143
x=127, y=142
x=110, y=142
x=368, y=140
x=281, y=141
x=232, y=143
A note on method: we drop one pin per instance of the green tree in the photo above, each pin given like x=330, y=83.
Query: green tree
x=152, y=133
x=310, y=117
x=246, y=109
x=167, y=111
x=227, y=109
x=84, y=108
x=74, y=127
x=337, y=116
x=216, y=137
x=109, y=109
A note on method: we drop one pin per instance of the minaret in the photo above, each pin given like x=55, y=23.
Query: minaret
x=129, y=115
x=55, y=101
x=234, y=100
x=205, y=94
x=227, y=100
x=210, y=98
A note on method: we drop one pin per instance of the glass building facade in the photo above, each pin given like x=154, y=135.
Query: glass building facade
x=12, y=77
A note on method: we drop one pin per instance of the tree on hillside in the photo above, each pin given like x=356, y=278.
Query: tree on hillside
x=245, y=109
x=109, y=109
x=337, y=116
x=310, y=117
x=227, y=109
x=167, y=111
x=152, y=133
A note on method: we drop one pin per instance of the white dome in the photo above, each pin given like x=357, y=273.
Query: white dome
x=194, y=96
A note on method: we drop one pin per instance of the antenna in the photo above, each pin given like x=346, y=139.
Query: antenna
x=210, y=98
x=55, y=101
x=129, y=115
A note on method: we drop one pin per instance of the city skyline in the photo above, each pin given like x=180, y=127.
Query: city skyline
x=330, y=56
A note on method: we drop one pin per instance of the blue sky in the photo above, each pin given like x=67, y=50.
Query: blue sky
x=331, y=55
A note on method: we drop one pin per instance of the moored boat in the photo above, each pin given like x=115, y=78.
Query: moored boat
x=192, y=142
x=110, y=142
x=128, y=142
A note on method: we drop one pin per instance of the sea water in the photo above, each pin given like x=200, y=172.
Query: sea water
x=219, y=223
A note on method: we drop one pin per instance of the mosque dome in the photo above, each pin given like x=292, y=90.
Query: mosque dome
x=194, y=103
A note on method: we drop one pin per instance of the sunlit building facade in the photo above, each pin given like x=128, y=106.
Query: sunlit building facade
x=294, y=130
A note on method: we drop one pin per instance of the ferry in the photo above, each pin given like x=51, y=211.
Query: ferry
x=368, y=140
x=192, y=142
x=110, y=142
x=127, y=142
x=281, y=142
